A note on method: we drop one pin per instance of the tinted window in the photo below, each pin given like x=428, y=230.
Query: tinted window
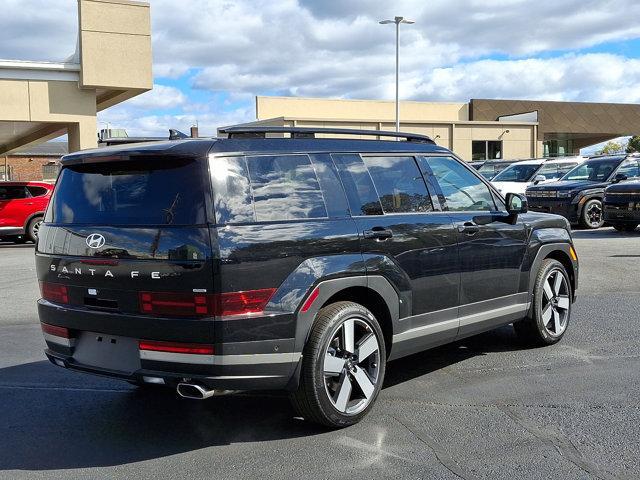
x=285, y=188
x=330, y=184
x=358, y=186
x=266, y=188
x=12, y=192
x=517, y=173
x=597, y=170
x=629, y=168
x=399, y=184
x=149, y=192
x=462, y=190
x=37, y=191
x=231, y=190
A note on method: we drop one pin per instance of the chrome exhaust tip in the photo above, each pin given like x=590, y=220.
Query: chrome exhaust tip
x=198, y=392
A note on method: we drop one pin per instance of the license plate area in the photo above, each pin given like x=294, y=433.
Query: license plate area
x=110, y=352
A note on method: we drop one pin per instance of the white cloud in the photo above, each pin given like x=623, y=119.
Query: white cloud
x=161, y=96
x=589, y=77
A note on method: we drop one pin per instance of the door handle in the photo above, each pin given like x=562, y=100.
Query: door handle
x=469, y=228
x=378, y=233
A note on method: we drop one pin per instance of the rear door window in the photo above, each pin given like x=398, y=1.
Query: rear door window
x=399, y=184
x=266, y=188
x=37, y=191
x=159, y=191
x=361, y=194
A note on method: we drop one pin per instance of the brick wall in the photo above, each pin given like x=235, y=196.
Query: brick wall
x=25, y=168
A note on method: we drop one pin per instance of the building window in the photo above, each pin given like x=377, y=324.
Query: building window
x=50, y=171
x=486, y=150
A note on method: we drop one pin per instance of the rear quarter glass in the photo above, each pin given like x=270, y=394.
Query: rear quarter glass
x=154, y=191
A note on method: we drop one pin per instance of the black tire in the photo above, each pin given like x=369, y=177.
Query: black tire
x=33, y=228
x=625, y=227
x=535, y=330
x=313, y=400
x=592, y=215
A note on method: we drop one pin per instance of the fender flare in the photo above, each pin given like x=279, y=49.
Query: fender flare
x=31, y=217
x=328, y=288
x=586, y=198
x=541, y=255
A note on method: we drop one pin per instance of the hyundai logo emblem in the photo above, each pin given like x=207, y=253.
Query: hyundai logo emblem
x=95, y=240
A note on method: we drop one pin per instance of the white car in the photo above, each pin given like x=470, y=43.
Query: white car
x=520, y=175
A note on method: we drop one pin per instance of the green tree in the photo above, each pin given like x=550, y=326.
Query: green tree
x=610, y=147
x=634, y=144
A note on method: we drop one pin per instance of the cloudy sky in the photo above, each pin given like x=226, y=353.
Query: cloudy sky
x=211, y=57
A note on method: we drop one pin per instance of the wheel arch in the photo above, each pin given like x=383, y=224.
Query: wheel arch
x=31, y=217
x=560, y=252
x=372, y=301
x=592, y=195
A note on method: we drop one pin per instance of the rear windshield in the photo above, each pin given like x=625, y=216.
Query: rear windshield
x=150, y=192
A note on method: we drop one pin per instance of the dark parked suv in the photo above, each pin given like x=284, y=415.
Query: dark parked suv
x=622, y=205
x=301, y=264
x=579, y=194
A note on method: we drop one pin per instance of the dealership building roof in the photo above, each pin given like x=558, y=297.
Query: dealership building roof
x=480, y=129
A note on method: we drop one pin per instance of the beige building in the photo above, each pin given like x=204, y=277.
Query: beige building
x=477, y=130
x=44, y=100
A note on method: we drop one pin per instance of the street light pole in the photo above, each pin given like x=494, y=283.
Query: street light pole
x=397, y=21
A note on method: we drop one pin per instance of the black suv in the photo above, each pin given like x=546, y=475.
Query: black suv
x=622, y=205
x=293, y=263
x=579, y=194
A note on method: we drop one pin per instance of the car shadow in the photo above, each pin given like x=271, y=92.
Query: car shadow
x=604, y=233
x=55, y=419
x=17, y=245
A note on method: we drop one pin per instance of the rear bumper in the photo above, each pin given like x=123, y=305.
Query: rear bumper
x=11, y=231
x=274, y=377
x=247, y=365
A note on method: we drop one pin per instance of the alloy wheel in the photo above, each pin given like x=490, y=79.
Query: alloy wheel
x=36, y=228
x=555, y=303
x=351, y=366
x=594, y=214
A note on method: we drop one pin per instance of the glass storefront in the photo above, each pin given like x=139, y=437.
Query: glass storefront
x=558, y=148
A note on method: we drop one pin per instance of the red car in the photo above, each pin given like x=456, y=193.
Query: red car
x=22, y=207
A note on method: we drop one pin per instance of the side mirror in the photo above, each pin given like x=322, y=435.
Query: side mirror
x=619, y=177
x=538, y=179
x=516, y=204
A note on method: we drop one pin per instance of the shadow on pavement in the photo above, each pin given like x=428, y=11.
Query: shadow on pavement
x=609, y=233
x=16, y=245
x=54, y=419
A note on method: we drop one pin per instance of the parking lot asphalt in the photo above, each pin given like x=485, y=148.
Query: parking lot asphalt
x=482, y=408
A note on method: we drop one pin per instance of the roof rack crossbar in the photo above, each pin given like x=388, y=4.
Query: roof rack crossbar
x=308, y=132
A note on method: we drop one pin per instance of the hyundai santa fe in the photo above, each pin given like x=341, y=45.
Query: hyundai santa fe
x=296, y=263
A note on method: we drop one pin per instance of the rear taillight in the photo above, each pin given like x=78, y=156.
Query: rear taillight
x=239, y=303
x=54, y=292
x=55, y=330
x=198, y=304
x=173, y=347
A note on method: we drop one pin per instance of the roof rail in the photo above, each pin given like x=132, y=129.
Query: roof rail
x=308, y=132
